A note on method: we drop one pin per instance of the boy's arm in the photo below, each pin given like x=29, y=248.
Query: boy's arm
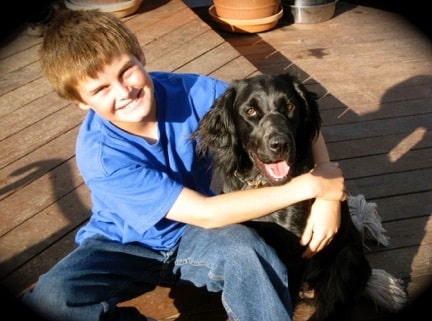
x=324, y=220
x=325, y=181
x=319, y=150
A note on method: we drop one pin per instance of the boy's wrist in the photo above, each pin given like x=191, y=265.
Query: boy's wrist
x=308, y=186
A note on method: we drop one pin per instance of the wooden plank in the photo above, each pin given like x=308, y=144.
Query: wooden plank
x=394, y=146
x=392, y=184
x=169, y=55
x=405, y=206
x=385, y=110
x=211, y=60
x=171, y=40
x=308, y=44
x=31, y=113
x=366, y=75
x=410, y=206
x=404, y=262
x=20, y=43
x=354, y=49
x=26, y=275
x=376, y=165
x=375, y=128
x=39, y=194
x=159, y=21
x=19, y=60
x=19, y=77
x=182, y=302
x=409, y=232
x=38, y=134
x=34, y=235
x=234, y=69
x=403, y=233
x=23, y=96
x=415, y=88
x=346, y=29
x=35, y=164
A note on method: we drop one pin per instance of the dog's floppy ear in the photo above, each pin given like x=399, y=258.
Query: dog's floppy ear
x=312, y=118
x=216, y=132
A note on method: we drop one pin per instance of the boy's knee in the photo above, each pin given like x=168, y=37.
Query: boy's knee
x=247, y=235
x=48, y=294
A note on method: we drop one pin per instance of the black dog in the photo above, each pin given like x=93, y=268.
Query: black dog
x=260, y=132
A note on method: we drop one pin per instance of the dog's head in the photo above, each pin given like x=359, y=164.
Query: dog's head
x=265, y=124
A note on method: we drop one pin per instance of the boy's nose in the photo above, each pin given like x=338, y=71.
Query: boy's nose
x=121, y=90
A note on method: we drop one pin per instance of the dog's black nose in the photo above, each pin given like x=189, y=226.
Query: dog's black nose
x=278, y=144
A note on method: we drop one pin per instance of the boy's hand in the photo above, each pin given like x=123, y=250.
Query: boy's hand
x=322, y=225
x=329, y=182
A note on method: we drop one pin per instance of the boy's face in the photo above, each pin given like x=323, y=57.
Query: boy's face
x=122, y=92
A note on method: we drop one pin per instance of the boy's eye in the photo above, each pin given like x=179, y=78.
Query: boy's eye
x=127, y=71
x=99, y=90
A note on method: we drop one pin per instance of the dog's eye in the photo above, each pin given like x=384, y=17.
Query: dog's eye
x=290, y=107
x=251, y=111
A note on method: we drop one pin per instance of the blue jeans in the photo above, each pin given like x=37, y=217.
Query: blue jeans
x=87, y=284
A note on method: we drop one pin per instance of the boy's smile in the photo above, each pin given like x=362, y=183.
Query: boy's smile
x=122, y=93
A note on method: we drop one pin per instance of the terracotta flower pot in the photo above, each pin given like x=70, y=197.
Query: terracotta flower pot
x=246, y=25
x=246, y=9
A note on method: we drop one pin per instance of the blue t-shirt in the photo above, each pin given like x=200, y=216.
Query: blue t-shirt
x=132, y=183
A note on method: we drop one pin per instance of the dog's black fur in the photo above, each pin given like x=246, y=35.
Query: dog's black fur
x=270, y=119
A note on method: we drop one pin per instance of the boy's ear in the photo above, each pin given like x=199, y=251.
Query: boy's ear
x=83, y=106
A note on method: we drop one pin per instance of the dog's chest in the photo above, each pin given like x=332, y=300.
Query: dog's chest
x=293, y=218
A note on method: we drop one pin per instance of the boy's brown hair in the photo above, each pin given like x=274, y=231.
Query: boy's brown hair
x=79, y=44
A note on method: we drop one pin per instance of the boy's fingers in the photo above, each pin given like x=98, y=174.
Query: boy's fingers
x=307, y=235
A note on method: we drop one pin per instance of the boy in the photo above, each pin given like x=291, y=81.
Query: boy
x=154, y=217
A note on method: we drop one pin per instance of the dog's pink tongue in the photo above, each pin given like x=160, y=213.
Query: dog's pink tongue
x=277, y=170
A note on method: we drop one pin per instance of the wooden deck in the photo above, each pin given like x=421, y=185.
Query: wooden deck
x=372, y=68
